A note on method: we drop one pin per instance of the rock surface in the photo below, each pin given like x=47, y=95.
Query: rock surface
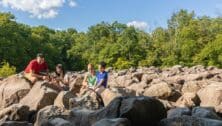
x=63, y=99
x=139, y=110
x=12, y=90
x=15, y=112
x=113, y=122
x=160, y=90
x=211, y=95
x=189, y=121
x=42, y=94
x=134, y=97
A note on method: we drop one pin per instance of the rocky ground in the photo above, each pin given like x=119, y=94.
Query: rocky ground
x=176, y=96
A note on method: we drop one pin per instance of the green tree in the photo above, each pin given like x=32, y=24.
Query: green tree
x=6, y=69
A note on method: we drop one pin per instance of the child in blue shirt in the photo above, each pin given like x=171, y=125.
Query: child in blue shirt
x=102, y=78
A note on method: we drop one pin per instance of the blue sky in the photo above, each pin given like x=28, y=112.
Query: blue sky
x=80, y=14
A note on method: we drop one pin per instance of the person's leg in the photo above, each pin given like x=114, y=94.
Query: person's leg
x=30, y=78
x=100, y=89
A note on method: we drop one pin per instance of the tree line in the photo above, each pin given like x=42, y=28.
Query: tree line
x=188, y=40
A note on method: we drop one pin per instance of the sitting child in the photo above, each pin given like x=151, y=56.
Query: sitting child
x=102, y=78
x=58, y=78
x=90, y=78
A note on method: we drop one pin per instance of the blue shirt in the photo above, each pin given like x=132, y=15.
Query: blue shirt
x=102, y=76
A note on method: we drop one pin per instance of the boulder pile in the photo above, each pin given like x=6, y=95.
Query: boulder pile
x=176, y=96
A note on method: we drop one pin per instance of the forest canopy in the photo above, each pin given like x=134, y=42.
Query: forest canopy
x=188, y=40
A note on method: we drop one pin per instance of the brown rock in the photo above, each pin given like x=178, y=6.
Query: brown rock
x=12, y=89
x=161, y=90
x=147, y=78
x=62, y=100
x=219, y=109
x=89, y=100
x=177, y=79
x=167, y=104
x=211, y=95
x=108, y=95
x=42, y=94
x=76, y=84
x=49, y=113
x=15, y=112
x=190, y=87
x=188, y=100
x=138, y=75
x=139, y=88
x=124, y=81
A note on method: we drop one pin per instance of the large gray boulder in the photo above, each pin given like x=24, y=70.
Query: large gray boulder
x=15, y=123
x=140, y=111
x=178, y=112
x=57, y=122
x=113, y=122
x=189, y=121
x=205, y=113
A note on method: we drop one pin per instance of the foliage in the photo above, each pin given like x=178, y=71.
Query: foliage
x=6, y=69
x=188, y=40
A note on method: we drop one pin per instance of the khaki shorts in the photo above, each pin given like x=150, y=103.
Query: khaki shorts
x=30, y=77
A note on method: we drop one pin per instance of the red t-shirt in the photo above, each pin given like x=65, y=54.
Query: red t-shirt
x=36, y=67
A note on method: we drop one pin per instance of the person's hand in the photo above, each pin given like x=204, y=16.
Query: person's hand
x=45, y=78
x=84, y=86
x=95, y=87
x=53, y=80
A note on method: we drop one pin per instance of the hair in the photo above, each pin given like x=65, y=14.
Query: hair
x=91, y=65
x=60, y=67
x=40, y=55
x=102, y=64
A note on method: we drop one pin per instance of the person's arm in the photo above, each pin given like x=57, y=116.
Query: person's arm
x=46, y=68
x=104, y=78
x=47, y=72
x=33, y=74
x=66, y=79
x=94, y=85
x=84, y=83
x=99, y=84
x=63, y=80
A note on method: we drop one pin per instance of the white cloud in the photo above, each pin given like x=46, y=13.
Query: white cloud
x=138, y=24
x=72, y=3
x=37, y=8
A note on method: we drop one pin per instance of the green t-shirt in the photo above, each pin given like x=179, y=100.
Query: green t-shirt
x=91, y=80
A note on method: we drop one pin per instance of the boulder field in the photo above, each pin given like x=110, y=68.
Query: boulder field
x=144, y=96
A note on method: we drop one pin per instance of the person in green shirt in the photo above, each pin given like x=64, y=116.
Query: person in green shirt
x=90, y=78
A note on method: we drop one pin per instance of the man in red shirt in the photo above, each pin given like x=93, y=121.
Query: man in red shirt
x=35, y=67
